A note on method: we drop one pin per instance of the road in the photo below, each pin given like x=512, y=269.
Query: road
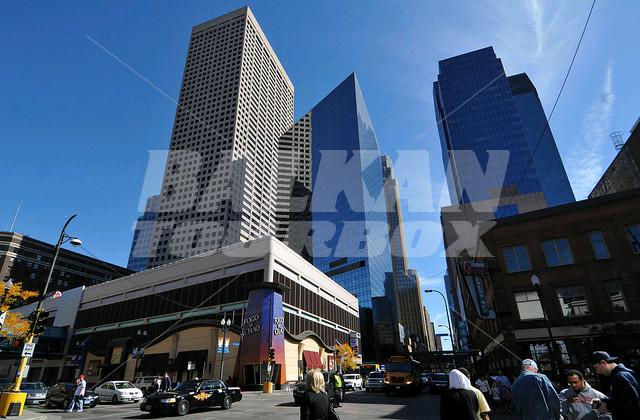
x=256, y=405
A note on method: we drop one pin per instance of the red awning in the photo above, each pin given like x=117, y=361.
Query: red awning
x=313, y=359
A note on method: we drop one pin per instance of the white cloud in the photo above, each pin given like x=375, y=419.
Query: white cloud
x=585, y=163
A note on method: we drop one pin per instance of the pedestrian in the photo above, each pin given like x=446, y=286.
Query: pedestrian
x=483, y=406
x=165, y=383
x=483, y=385
x=458, y=402
x=495, y=396
x=315, y=404
x=154, y=387
x=78, y=395
x=534, y=396
x=337, y=388
x=577, y=400
x=624, y=399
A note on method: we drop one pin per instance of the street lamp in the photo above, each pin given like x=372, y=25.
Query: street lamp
x=224, y=324
x=138, y=353
x=29, y=337
x=536, y=283
x=446, y=306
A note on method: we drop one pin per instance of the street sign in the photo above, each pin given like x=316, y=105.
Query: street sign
x=27, y=350
x=25, y=372
x=3, y=316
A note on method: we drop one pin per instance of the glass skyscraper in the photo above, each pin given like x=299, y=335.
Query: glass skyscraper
x=481, y=110
x=332, y=153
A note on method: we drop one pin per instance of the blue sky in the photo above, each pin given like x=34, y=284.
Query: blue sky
x=78, y=127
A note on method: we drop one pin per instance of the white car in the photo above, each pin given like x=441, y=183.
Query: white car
x=353, y=381
x=118, y=391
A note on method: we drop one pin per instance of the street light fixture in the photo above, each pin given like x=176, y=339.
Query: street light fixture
x=29, y=337
x=224, y=324
x=446, y=306
x=537, y=284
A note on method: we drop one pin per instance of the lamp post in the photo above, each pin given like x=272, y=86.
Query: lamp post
x=138, y=353
x=224, y=324
x=446, y=306
x=29, y=337
x=535, y=281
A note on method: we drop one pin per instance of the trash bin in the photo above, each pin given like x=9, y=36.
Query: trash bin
x=11, y=403
x=267, y=388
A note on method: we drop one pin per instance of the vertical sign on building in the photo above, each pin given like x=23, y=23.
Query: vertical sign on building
x=262, y=329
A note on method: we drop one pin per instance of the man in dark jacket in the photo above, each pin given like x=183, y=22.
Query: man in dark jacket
x=624, y=398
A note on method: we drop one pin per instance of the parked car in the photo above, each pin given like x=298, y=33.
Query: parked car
x=61, y=393
x=353, y=381
x=36, y=392
x=118, y=391
x=143, y=383
x=375, y=380
x=191, y=395
x=439, y=382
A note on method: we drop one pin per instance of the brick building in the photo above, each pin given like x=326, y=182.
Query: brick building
x=587, y=257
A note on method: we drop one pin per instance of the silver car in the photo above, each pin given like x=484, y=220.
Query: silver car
x=36, y=392
x=375, y=380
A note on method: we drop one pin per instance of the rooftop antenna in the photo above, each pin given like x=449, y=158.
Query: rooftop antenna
x=617, y=139
x=15, y=216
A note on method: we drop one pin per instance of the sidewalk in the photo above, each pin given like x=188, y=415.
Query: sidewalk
x=30, y=415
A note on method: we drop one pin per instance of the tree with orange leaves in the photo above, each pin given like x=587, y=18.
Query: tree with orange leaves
x=346, y=356
x=14, y=326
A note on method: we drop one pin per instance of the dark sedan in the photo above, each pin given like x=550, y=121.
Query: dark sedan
x=60, y=394
x=192, y=395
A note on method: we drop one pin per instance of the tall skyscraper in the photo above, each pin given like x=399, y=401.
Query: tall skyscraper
x=142, y=236
x=220, y=181
x=481, y=110
x=332, y=153
x=408, y=298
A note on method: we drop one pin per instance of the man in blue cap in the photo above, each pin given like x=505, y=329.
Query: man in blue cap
x=534, y=396
x=624, y=398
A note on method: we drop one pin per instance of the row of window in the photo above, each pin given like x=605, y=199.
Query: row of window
x=558, y=252
x=572, y=300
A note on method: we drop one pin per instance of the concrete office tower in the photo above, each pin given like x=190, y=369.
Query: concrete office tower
x=482, y=115
x=142, y=236
x=293, y=200
x=336, y=146
x=220, y=181
x=405, y=282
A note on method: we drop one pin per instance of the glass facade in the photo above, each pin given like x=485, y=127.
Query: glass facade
x=480, y=110
x=349, y=239
x=349, y=220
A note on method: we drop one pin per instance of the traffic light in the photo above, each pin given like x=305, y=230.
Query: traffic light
x=37, y=319
x=272, y=354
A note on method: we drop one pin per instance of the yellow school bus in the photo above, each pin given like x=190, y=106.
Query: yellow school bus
x=402, y=375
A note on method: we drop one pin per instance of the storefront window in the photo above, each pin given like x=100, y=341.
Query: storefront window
x=616, y=296
x=573, y=301
x=529, y=306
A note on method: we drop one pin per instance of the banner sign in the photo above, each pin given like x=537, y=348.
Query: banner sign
x=476, y=278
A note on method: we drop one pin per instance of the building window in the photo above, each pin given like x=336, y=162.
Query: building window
x=557, y=252
x=573, y=301
x=516, y=258
x=634, y=237
x=599, y=245
x=529, y=306
x=616, y=296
